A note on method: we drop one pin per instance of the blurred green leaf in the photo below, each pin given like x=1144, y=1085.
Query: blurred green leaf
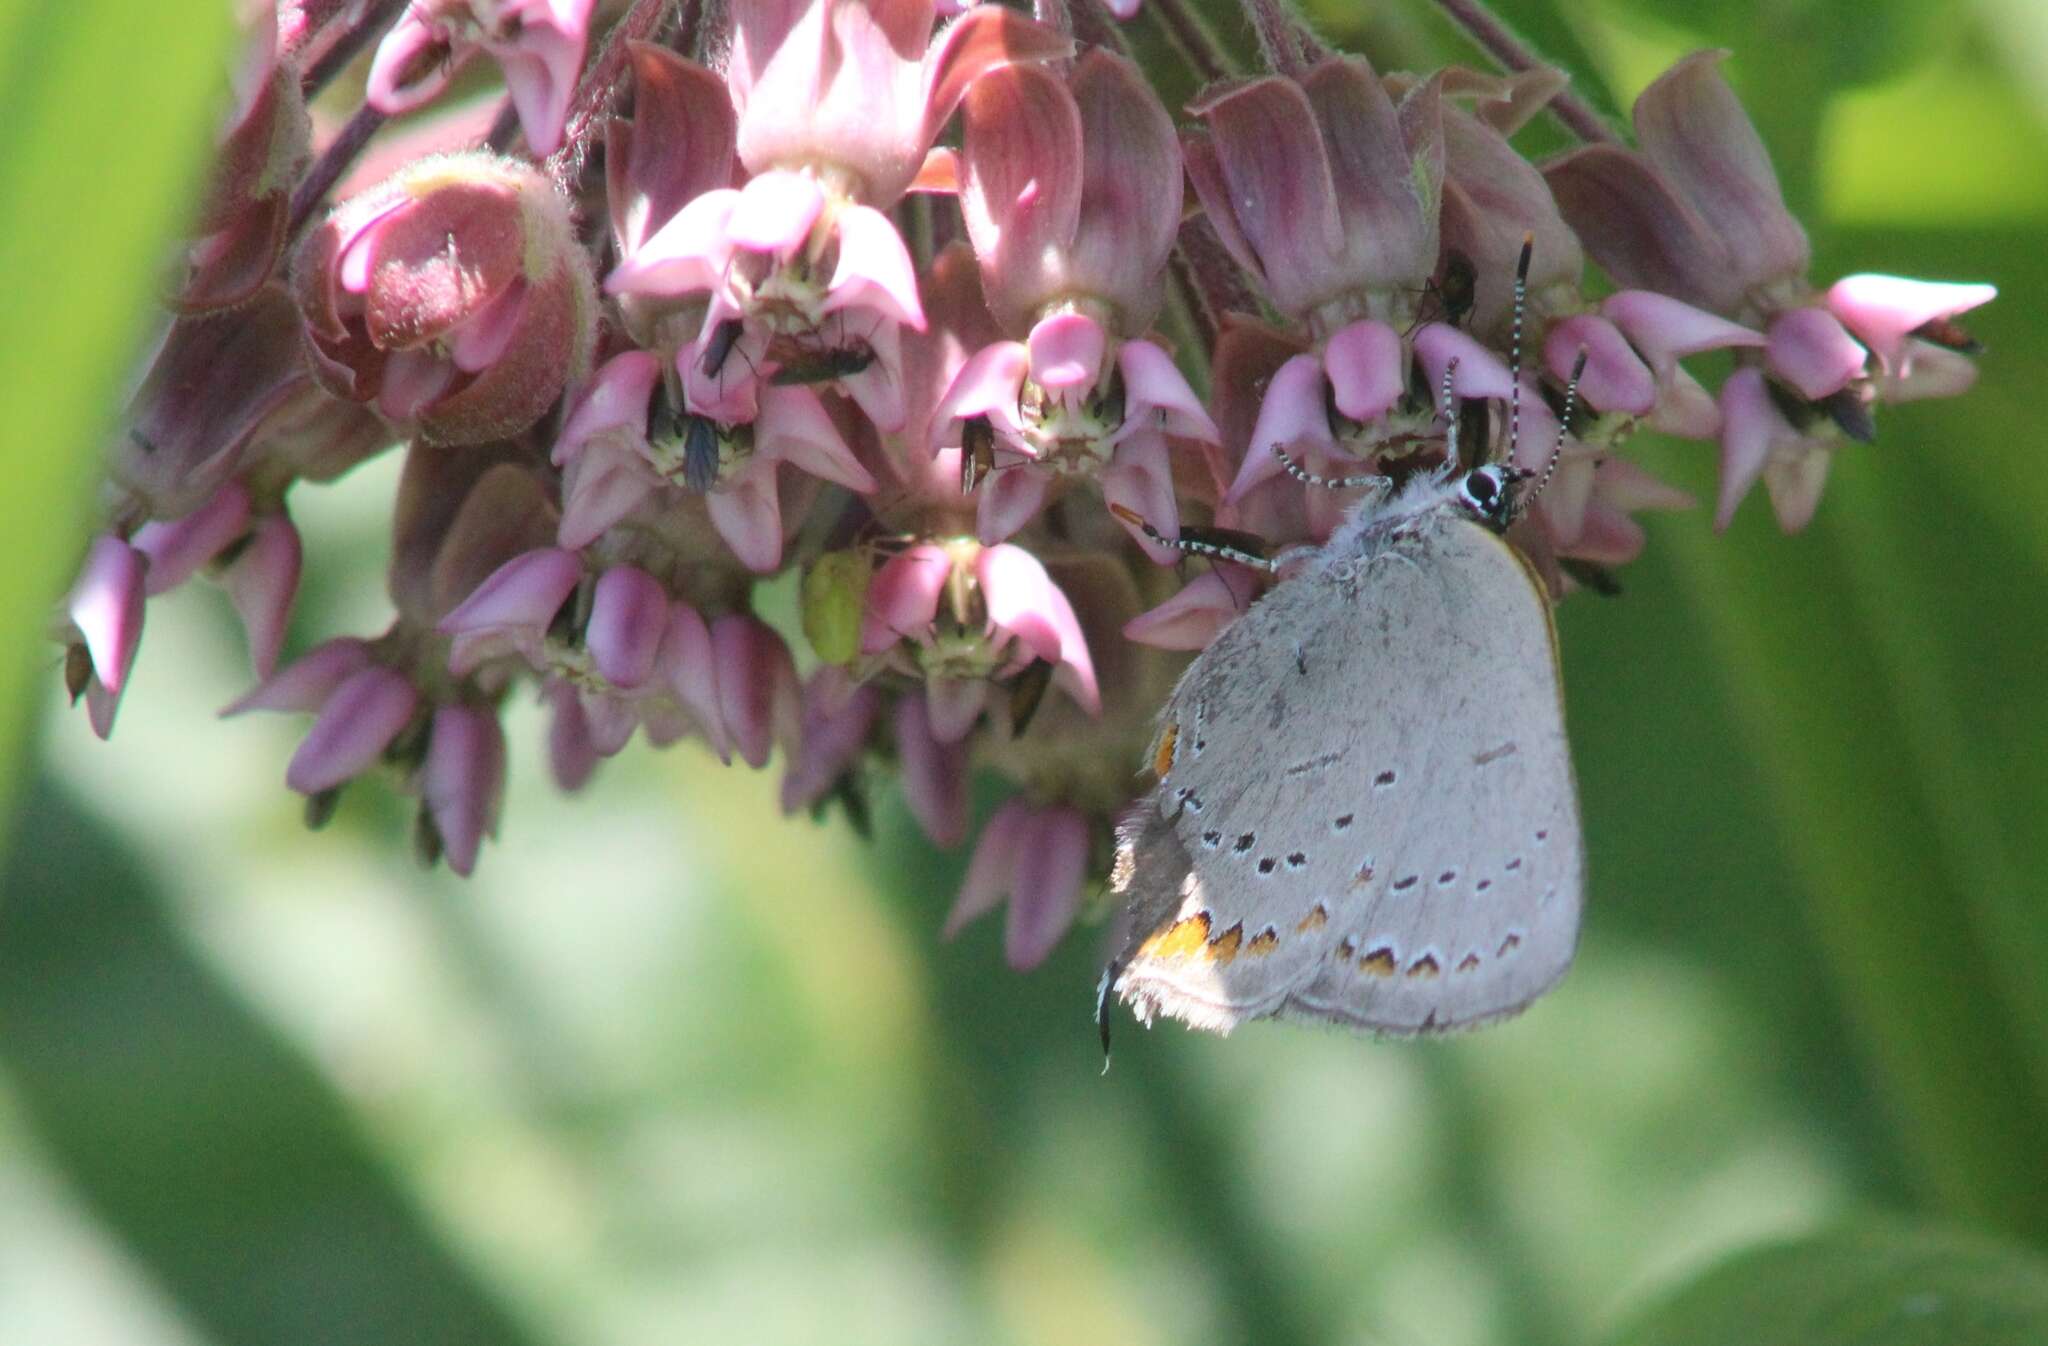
x=107, y=106
x=231, y=1169
x=1877, y=1285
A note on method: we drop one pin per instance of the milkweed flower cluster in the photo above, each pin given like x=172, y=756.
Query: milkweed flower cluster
x=943, y=309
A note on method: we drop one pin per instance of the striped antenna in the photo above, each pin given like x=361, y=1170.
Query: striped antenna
x=1515, y=344
x=1564, y=426
x=1447, y=407
x=1196, y=546
x=1302, y=474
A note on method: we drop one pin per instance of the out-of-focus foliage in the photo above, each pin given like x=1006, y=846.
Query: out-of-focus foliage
x=673, y=1069
x=1879, y=1286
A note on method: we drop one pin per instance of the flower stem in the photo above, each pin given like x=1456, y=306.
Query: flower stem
x=1283, y=40
x=1185, y=29
x=379, y=17
x=331, y=164
x=1493, y=37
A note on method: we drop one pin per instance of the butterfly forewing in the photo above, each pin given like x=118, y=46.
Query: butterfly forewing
x=1367, y=812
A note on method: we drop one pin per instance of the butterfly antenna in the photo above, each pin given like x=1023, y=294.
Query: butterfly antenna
x=1302, y=474
x=1447, y=407
x=1564, y=427
x=1196, y=546
x=1515, y=345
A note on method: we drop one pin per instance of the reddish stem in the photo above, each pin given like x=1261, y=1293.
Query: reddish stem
x=375, y=21
x=1572, y=112
x=331, y=164
x=1186, y=31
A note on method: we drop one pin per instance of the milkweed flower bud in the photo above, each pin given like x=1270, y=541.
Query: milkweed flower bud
x=453, y=298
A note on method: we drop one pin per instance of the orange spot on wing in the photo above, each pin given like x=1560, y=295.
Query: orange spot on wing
x=1182, y=939
x=1379, y=963
x=1224, y=947
x=1469, y=963
x=1162, y=754
x=1263, y=942
x=1424, y=966
x=1316, y=919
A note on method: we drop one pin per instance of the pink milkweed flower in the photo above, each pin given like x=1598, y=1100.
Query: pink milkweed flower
x=934, y=773
x=538, y=44
x=103, y=627
x=462, y=783
x=1057, y=406
x=361, y=706
x=1697, y=214
x=1493, y=201
x=1323, y=189
x=1001, y=611
x=1036, y=857
x=839, y=714
x=839, y=101
x=454, y=298
x=1071, y=188
x=628, y=445
x=631, y=655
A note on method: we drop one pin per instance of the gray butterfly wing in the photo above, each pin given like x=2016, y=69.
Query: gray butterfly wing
x=1367, y=814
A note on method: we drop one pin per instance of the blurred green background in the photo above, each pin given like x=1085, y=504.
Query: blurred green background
x=673, y=1069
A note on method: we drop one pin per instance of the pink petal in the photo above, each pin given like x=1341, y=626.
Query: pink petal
x=1010, y=499
x=179, y=547
x=690, y=667
x=1291, y=413
x=758, y=694
x=746, y=509
x=987, y=385
x=903, y=596
x=483, y=339
x=1367, y=369
x=305, y=684
x=1066, y=352
x=354, y=727
x=540, y=74
x=1928, y=371
x=600, y=488
x=1052, y=859
x=610, y=720
x=1810, y=349
x=878, y=389
x=875, y=270
x=1021, y=597
x=1020, y=193
x=1794, y=483
x=1194, y=616
x=628, y=618
x=412, y=381
x=1140, y=479
x=1684, y=408
x=525, y=593
x=616, y=398
x=106, y=606
x=775, y=212
x=688, y=254
x=992, y=870
x=934, y=773
x=1749, y=424
x=794, y=428
x=462, y=781
x=1692, y=126
x=571, y=754
x=836, y=721
x=1666, y=329
x=952, y=705
x=262, y=582
x=1883, y=310
x=403, y=51
x=1480, y=374
x=1154, y=383
x=1615, y=377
